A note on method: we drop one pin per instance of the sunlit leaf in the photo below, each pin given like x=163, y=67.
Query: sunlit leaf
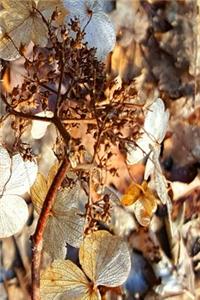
x=65, y=223
x=22, y=23
x=104, y=259
x=99, y=30
x=17, y=176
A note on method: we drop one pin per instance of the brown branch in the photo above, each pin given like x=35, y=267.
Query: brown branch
x=37, y=238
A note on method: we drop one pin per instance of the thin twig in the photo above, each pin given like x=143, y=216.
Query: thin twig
x=37, y=238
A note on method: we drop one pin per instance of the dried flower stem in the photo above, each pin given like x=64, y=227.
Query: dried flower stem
x=37, y=238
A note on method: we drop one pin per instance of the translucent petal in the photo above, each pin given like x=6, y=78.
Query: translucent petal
x=21, y=4
x=99, y=29
x=23, y=24
x=64, y=277
x=13, y=215
x=69, y=197
x=105, y=258
x=155, y=127
x=39, y=128
x=150, y=165
x=63, y=227
x=39, y=32
x=135, y=154
x=159, y=179
x=23, y=175
x=156, y=121
x=47, y=8
x=100, y=34
x=38, y=192
x=5, y=167
x=144, y=208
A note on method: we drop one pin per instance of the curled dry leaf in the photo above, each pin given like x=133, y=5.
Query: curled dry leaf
x=100, y=33
x=142, y=201
x=65, y=223
x=21, y=23
x=16, y=178
x=104, y=258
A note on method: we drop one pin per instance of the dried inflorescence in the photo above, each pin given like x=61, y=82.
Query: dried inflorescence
x=65, y=77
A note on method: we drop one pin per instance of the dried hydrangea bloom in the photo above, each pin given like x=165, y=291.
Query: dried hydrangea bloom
x=100, y=33
x=104, y=259
x=20, y=23
x=16, y=178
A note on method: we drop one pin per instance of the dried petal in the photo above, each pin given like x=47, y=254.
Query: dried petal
x=5, y=166
x=64, y=277
x=23, y=175
x=13, y=215
x=105, y=258
x=100, y=33
x=61, y=227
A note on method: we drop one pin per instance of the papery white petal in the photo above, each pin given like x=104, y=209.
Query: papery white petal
x=5, y=168
x=154, y=130
x=23, y=175
x=13, y=215
x=105, y=258
x=136, y=153
x=68, y=227
x=39, y=128
x=156, y=121
x=99, y=29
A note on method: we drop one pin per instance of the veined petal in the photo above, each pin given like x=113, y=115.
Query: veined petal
x=64, y=278
x=13, y=215
x=23, y=175
x=105, y=258
x=5, y=168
